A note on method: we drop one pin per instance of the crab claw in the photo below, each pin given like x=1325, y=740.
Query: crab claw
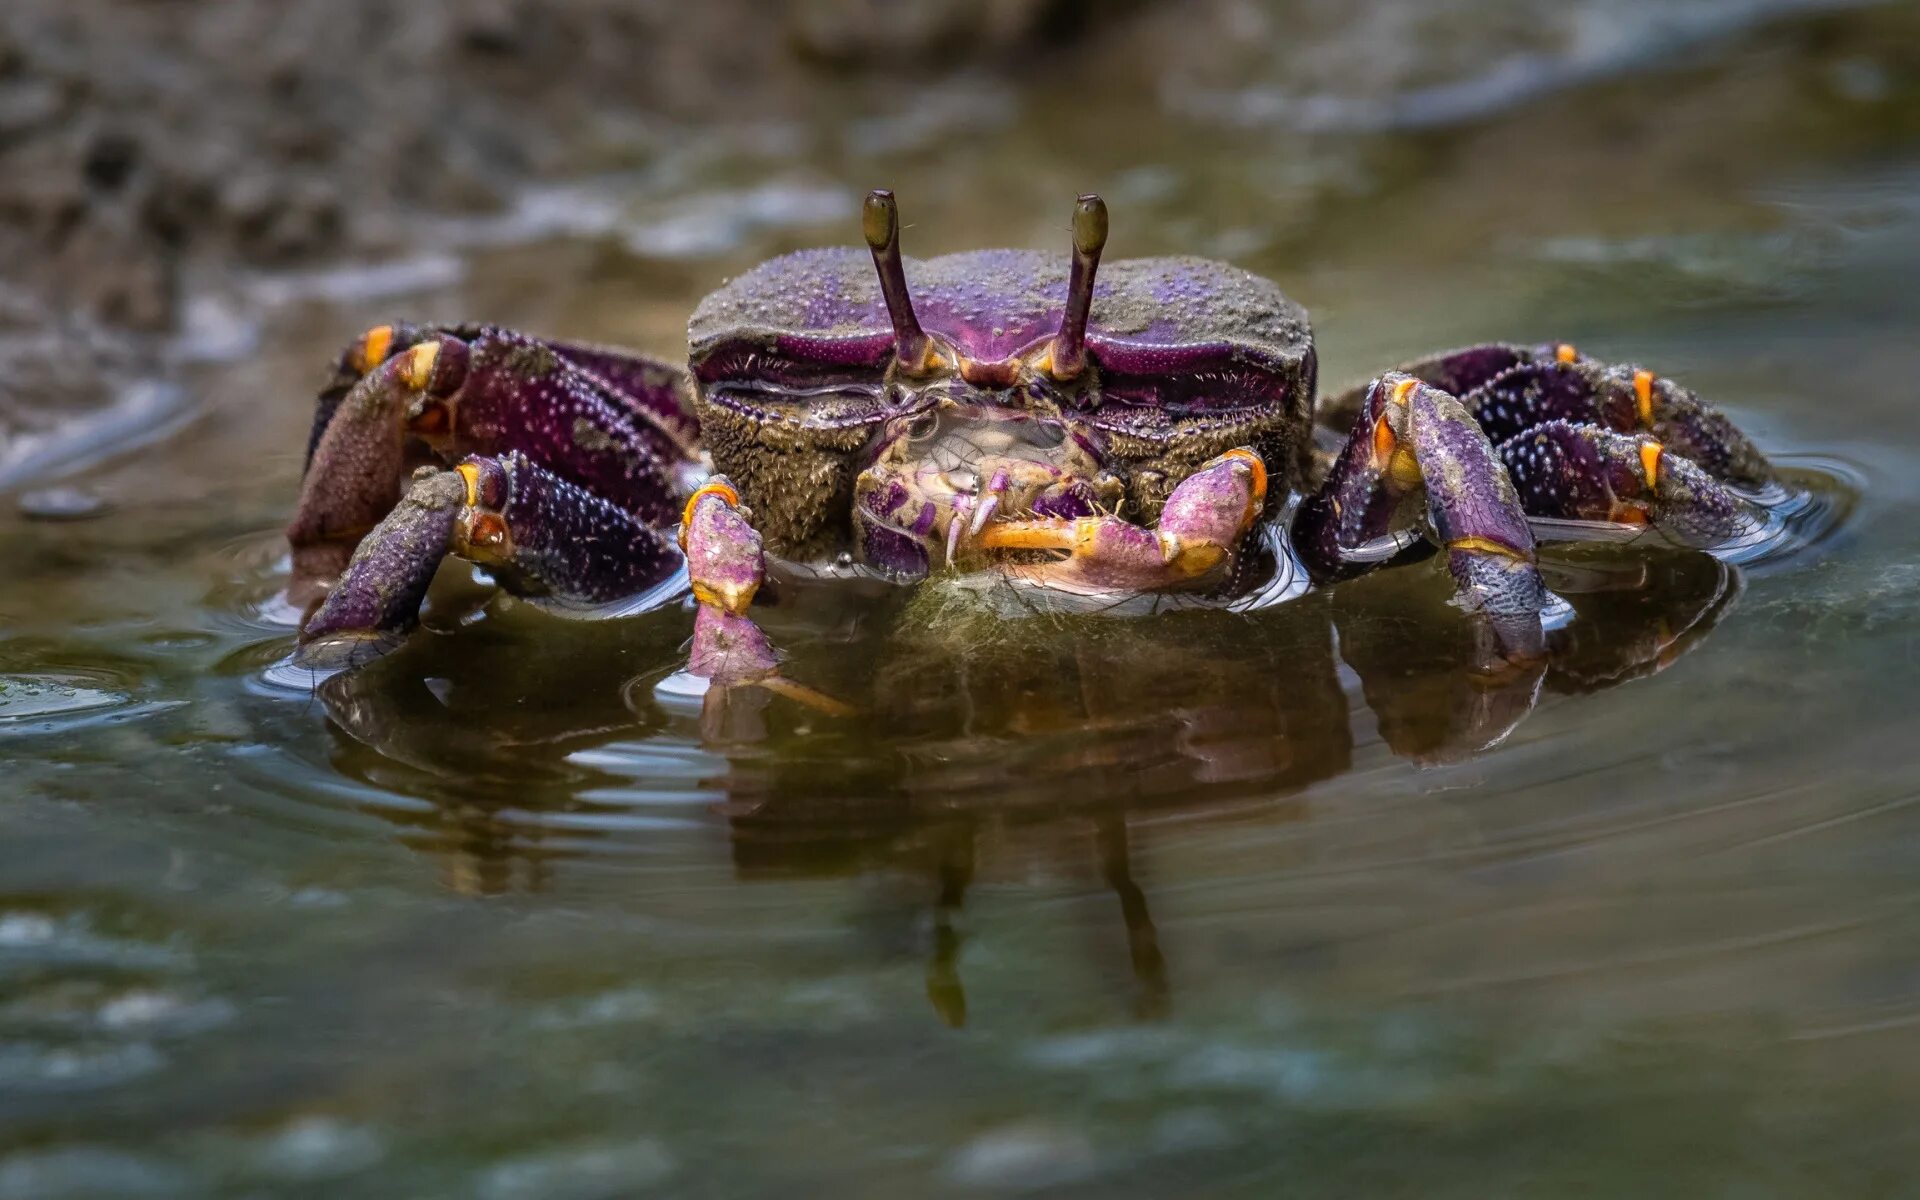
x=1199, y=529
x=541, y=538
x=726, y=566
x=724, y=557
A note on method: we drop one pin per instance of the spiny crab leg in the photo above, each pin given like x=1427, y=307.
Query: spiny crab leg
x=356, y=465
x=1412, y=439
x=726, y=566
x=538, y=535
x=1583, y=473
x=1200, y=527
x=608, y=427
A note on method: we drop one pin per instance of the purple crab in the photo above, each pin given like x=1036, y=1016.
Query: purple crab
x=1143, y=426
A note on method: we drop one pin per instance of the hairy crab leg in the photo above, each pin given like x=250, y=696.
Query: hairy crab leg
x=1199, y=529
x=357, y=465
x=656, y=391
x=1510, y=389
x=491, y=393
x=538, y=535
x=1584, y=473
x=1457, y=372
x=726, y=566
x=1624, y=399
x=1413, y=440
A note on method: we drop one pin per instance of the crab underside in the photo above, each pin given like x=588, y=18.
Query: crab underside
x=1144, y=430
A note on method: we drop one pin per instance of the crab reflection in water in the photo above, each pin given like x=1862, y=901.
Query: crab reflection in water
x=1069, y=733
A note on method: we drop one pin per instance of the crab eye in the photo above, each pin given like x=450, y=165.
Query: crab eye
x=922, y=427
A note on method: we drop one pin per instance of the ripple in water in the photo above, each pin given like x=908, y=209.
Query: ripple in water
x=46, y=700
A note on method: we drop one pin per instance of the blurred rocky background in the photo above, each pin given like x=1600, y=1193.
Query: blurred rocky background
x=153, y=152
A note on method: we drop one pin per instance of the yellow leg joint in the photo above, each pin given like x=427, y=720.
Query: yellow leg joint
x=1650, y=453
x=1401, y=389
x=372, y=348
x=417, y=368
x=470, y=475
x=1643, y=395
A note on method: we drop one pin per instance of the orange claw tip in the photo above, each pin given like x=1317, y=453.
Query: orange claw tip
x=1486, y=545
x=1384, y=443
x=372, y=348
x=1650, y=453
x=1256, y=468
x=1643, y=395
x=717, y=487
x=1565, y=352
x=417, y=367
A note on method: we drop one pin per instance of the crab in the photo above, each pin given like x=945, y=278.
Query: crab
x=1068, y=428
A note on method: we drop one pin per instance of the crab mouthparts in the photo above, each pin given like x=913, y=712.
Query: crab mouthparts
x=934, y=493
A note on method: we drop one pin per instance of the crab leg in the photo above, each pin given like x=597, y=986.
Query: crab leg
x=1511, y=389
x=1199, y=529
x=1455, y=372
x=656, y=391
x=488, y=393
x=726, y=566
x=538, y=535
x=1624, y=399
x=1413, y=439
x=1583, y=473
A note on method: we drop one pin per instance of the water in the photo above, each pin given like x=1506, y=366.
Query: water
x=1209, y=903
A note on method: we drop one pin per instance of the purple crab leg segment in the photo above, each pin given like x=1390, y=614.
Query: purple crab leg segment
x=377, y=599
x=547, y=539
x=1580, y=472
x=1550, y=389
x=1364, y=495
x=726, y=566
x=724, y=557
x=1414, y=438
x=358, y=464
x=521, y=394
x=1625, y=399
x=1199, y=529
x=538, y=535
x=363, y=354
x=1456, y=372
x=1477, y=516
x=659, y=393
x=1690, y=427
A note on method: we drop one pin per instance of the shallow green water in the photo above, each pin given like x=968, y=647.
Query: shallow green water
x=1197, y=905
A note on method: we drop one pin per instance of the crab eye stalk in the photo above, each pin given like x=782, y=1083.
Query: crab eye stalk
x=880, y=223
x=1069, y=357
